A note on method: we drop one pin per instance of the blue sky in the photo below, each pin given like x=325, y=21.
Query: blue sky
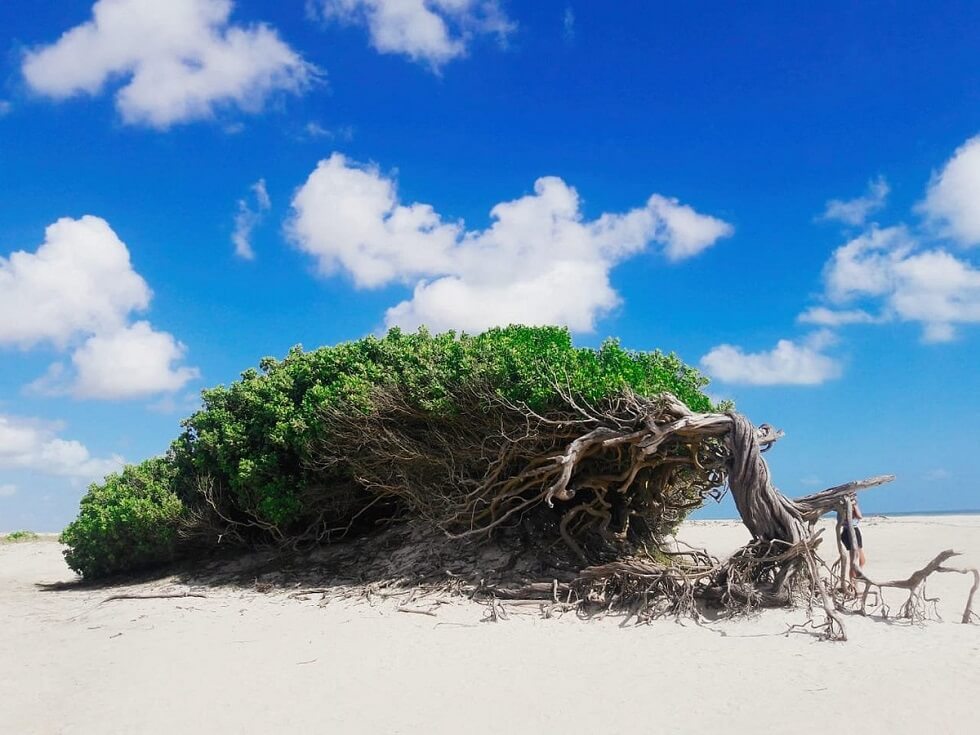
x=788, y=197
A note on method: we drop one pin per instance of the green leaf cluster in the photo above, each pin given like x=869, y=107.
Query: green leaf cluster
x=253, y=436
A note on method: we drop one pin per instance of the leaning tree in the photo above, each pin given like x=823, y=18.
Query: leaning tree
x=586, y=459
x=610, y=480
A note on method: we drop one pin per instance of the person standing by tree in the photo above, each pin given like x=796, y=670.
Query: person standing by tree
x=850, y=534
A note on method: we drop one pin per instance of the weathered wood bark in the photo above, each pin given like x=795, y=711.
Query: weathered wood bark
x=607, y=482
x=811, y=507
x=768, y=514
x=914, y=606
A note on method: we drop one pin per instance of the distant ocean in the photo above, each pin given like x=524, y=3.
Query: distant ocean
x=927, y=513
x=724, y=514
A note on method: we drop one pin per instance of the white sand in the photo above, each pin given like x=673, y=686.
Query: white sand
x=239, y=662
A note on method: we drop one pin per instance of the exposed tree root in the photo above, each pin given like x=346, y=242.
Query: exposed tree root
x=599, y=478
x=414, y=564
x=915, y=606
x=588, y=494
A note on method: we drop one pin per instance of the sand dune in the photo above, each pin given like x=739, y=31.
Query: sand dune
x=238, y=661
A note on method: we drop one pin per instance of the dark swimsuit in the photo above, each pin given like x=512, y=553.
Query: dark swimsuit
x=845, y=537
x=845, y=533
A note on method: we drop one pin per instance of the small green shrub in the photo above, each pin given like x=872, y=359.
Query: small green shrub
x=21, y=536
x=127, y=522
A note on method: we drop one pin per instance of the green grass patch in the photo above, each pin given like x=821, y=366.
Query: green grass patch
x=15, y=536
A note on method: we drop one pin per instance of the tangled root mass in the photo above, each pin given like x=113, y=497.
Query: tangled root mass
x=596, y=489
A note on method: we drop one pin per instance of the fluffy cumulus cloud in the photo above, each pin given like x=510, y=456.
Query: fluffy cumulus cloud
x=855, y=212
x=180, y=59
x=27, y=444
x=683, y=232
x=890, y=269
x=78, y=292
x=7, y=490
x=433, y=31
x=129, y=363
x=882, y=275
x=248, y=218
x=952, y=201
x=349, y=217
x=539, y=262
x=79, y=280
x=788, y=363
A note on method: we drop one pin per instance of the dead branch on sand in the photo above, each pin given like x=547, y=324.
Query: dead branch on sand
x=156, y=596
x=914, y=607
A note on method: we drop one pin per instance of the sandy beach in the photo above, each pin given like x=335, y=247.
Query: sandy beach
x=244, y=662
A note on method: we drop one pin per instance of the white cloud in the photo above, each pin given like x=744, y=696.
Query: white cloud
x=5, y=107
x=911, y=283
x=540, y=261
x=79, y=280
x=952, y=202
x=685, y=232
x=246, y=220
x=825, y=317
x=132, y=362
x=129, y=363
x=434, y=31
x=28, y=444
x=261, y=195
x=938, y=475
x=78, y=292
x=568, y=24
x=788, y=363
x=349, y=217
x=572, y=293
x=313, y=129
x=7, y=491
x=180, y=59
x=856, y=211
x=938, y=290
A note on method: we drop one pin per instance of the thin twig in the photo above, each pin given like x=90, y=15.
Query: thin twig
x=157, y=596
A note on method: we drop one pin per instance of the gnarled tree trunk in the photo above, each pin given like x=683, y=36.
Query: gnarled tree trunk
x=610, y=481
